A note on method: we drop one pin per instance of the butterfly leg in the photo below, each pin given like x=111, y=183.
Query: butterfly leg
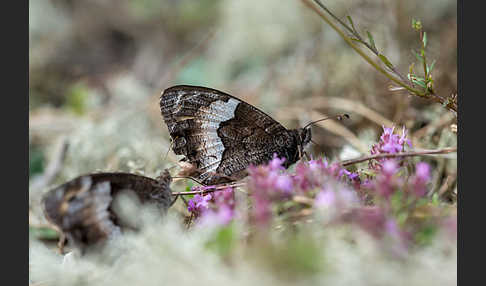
x=61, y=243
x=185, y=202
x=307, y=157
x=174, y=200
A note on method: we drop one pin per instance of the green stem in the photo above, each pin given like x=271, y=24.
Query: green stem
x=361, y=53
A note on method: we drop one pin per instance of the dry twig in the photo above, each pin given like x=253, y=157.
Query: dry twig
x=397, y=155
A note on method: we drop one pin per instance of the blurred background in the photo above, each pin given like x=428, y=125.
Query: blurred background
x=97, y=69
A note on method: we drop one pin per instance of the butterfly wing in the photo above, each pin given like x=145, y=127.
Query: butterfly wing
x=221, y=134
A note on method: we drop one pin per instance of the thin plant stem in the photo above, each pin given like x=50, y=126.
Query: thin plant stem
x=209, y=190
x=397, y=155
x=359, y=51
x=377, y=66
x=353, y=31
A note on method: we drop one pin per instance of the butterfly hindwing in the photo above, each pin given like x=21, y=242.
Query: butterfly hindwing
x=221, y=134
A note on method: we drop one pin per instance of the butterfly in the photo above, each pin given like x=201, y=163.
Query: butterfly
x=221, y=135
x=82, y=208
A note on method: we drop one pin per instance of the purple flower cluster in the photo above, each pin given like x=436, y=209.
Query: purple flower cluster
x=390, y=143
x=267, y=184
x=216, y=208
x=312, y=174
x=335, y=199
x=418, y=182
x=271, y=179
x=388, y=181
x=270, y=183
x=199, y=204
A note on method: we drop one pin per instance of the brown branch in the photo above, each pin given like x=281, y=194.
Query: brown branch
x=209, y=190
x=403, y=154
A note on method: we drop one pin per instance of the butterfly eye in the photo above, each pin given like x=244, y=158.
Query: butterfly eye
x=306, y=135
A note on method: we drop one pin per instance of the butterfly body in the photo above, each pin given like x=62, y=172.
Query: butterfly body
x=223, y=135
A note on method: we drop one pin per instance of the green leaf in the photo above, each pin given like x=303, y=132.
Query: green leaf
x=189, y=186
x=418, y=56
x=372, y=42
x=410, y=70
x=435, y=199
x=77, y=98
x=44, y=233
x=426, y=234
x=402, y=218
x=36, y=161
x=351, y=22
x=424, y=39
x=431, y=67
x=222, y=240
x=385, y=61
x=419, y=81
x=397, y=200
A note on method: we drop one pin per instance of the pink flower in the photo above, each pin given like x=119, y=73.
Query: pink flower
x=403, y=139
x=224, y=197
x=223, y=216
x=268, y=183
x=337, y=197
x=325, y=199
x=389, y=143
x=313, y=174
x=317, y=165
x=420, y=179
x=199, y=204
x=371, y=219
x=262, y=211
x=386, y=182
x=270, y=179
x=423, y=171
x=283, y=183
x=276, y=163
x=390, y=167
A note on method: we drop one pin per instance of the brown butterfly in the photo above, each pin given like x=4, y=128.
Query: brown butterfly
x=83, y=207
x=222, y=135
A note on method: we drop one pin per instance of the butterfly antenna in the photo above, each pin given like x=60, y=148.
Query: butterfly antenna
x=338, y=117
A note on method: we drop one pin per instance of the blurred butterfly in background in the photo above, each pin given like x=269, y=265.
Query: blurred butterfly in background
x=83, y=207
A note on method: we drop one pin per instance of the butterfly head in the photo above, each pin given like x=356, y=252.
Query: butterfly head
x=304, y=137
